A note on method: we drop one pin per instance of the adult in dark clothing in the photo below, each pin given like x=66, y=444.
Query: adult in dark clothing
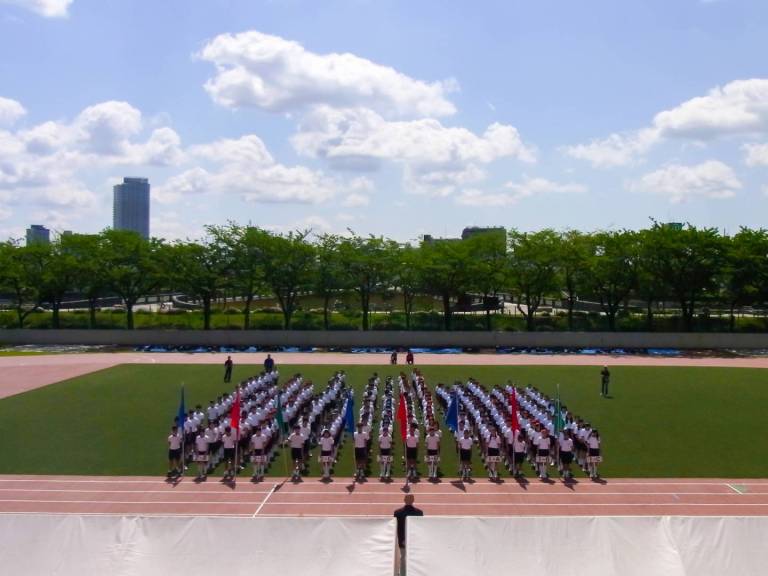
x=401, y=514
x=269, y=364
x=605, y=379
x=228, y=369
x=409, y=358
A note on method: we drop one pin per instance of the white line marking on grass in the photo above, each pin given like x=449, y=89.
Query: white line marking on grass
x=274, y=487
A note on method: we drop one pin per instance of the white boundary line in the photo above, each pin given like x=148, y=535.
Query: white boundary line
x=732, y=487
x=535, y=504
x=274, y=487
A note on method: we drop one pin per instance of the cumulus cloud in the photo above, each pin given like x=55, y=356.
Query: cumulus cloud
x=46, y=8
x=10, y=111
x=355, y=200
x=739, y=108
x=756, y=154
x=245, y=167
x=711, y=179
x=436, y=158
x=513, y=192
x=269, y=72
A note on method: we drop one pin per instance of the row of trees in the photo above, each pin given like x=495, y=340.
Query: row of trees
x=690, y=267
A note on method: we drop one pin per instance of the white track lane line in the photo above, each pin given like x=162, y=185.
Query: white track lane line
x=264, y=501
x=732, y=487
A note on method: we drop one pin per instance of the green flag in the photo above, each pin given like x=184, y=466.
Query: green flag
x=558, y=417
x=280, y=421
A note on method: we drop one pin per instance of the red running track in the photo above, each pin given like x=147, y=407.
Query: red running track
x=147, y=496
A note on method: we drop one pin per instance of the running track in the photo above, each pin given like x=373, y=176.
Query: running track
x=147, y=496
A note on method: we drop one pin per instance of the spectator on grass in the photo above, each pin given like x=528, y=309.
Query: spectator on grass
x=269, y=364
x=401, y=514
x=228, y=369
x=605, y=379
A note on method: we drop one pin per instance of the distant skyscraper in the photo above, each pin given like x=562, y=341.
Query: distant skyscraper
x=130, y=209
x=38, y=234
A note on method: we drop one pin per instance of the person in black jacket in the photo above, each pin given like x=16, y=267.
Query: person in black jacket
x=401, y=514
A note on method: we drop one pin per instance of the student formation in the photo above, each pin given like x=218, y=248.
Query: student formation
x=507, y=426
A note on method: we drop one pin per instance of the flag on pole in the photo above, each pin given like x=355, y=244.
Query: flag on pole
x=181, y=416
x=557, y=421
x=452, y=414
x=349, y=415
x=514, y=422
x=402, y=417
x=234, y=414
x=279, y=415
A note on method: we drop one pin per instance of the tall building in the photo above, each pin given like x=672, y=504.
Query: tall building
x=38, y=234
x=471, y=231
x=130, y=208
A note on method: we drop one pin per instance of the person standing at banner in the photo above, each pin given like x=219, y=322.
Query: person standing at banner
x=385, y=454
x=492, y=454
x=543, y=451
x=229, y=441
x=174, y=452
x=519, y=450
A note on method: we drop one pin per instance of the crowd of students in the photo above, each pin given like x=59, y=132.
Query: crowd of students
x=484, y=423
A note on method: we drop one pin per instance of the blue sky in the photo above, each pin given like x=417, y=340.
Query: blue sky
x=394, y=118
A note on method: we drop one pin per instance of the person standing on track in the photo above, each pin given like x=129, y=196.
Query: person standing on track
x=258, y=456
x=432, y=442
x=594, y=457
x=326, y=453
x=566, y=454
x=412, y=452
x=401, y=514
x=543, y=450
x=228, y=369
x=228, y=441
x=492, y=455
x=201, y=454
x=296, y=442
x=174, y=452
x=385, y=454
x=465, y=454
x=361, y=438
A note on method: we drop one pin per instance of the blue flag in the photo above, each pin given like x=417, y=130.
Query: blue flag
x=182, y=415
x=349, y=415
x=452, y=415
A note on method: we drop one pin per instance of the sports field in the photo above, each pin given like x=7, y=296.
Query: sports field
x=659, y=422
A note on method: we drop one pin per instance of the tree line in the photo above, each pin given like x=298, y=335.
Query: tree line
x=687, y=267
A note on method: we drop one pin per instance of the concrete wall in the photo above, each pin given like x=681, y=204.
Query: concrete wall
x=351, y=339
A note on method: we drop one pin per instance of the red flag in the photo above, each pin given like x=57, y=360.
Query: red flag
x=402, y=417
x=514, y=423
x=234, y=415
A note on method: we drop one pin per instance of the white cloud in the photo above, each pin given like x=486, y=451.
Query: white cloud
x=711, y=179
x=245, y=167
x=47, y=8
x=516, y=191
x=269, y=72
x=757, y=154
x=436, y=158
x=739, y=108
x=354, y=200
x=10, y=111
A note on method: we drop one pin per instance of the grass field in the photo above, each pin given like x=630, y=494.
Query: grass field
x=659, y=422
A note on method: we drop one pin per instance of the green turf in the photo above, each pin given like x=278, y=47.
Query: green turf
x=660, y=422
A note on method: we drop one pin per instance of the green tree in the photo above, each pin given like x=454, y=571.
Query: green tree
x=88, y=267
x=744, y=268
x=446, y=269
x=135, y=267
x=329, y=278
x=651, y=285
x=613, y=270
x=199, y=270
x=367, y=266
x=488, y=269
x=408, y=276
x=288, y=268
x=21, y=277
x=533, y=270
x=571, y=256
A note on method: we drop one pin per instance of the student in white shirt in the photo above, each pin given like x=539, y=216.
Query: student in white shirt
x=385, y=454
x=432, y=443
x=465, y=454
x=594, y=457
x=326, y=453
x=201, y=454
x=412, y=451
x=296, y=442
x=543, y=448
x=258, y=453
x=566, y=445
x=174, y=452
x=492, y=454
x=361, y=451
x=228, y=441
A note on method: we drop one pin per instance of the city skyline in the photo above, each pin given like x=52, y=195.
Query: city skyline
x=131, y=206
x=392, y=119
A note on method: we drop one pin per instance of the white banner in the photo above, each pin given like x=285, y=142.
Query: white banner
x=45, y=545
x=597, y=546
